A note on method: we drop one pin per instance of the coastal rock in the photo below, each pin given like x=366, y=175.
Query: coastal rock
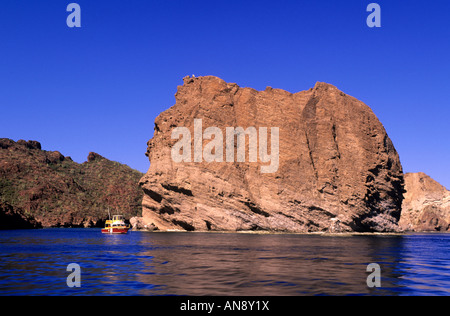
x=137, y=223
x=426, y=204
x=336, y=168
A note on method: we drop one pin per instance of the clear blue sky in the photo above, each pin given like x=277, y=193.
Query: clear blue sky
x=100, y=87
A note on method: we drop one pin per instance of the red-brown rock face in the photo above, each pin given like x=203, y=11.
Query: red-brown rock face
x=331, y=167
x=426, y=206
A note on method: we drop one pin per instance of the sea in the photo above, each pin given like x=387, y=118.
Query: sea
x=72, y=261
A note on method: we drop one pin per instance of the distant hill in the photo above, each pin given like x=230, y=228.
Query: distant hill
x=41, y=188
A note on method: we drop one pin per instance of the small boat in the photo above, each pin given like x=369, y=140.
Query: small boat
x=116, y=226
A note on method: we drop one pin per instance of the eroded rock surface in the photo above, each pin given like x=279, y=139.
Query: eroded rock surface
x=337, y=171
x=426, y=206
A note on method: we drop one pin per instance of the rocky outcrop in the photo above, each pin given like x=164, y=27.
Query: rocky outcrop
x=332, y=166
x=426, y=206
x=94, y=156
x=40, y=188
x=11, y=218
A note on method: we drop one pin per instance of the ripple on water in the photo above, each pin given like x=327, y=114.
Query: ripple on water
x=34, y=263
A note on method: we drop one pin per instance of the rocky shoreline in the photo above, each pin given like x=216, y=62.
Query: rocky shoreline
x=268, y=232
x=337, y=172
x=329, y=168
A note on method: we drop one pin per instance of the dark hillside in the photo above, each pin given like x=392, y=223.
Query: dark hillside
x=45, y=188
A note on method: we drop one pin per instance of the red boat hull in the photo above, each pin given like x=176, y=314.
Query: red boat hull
x=115, y=230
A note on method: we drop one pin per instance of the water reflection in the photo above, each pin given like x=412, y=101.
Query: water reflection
x=236, y=264
x=424, y=268
x=34, y=263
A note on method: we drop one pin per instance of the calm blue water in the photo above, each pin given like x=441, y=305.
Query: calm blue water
x=33, y=262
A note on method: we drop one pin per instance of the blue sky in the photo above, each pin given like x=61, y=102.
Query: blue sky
x=100, y=87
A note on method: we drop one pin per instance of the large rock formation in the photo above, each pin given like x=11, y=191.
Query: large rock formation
x=40, y=188
x=337, y=169
x=426, y=206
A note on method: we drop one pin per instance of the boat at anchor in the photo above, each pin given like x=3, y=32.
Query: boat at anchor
x=116, y=226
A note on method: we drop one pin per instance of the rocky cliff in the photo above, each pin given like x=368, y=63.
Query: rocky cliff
x=315, y=160
x=41, y=188
x=426, y=206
